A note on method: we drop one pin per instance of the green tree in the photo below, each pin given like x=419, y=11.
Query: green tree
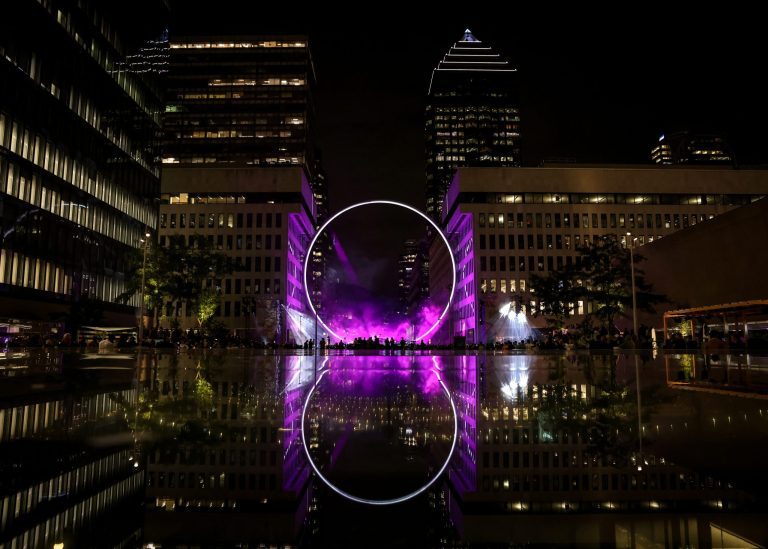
x=601, y=275
x=177, y=272
x=557, y=293
x=207, y=302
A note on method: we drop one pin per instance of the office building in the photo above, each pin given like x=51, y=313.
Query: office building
x=239, y=101
x=692, y=148
x=472, y=115
x=504, y=224
x=78, y=173
x=263, y=219
x=239, y=143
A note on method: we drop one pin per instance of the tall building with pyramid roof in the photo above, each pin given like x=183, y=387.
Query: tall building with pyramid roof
x=472, y=115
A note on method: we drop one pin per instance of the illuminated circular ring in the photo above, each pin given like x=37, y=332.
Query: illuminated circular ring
x=379, y=501
x=391, y=203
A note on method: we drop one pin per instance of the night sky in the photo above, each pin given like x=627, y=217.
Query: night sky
x=596, y=86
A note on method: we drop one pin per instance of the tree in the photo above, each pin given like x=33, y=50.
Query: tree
x=207, y=303
x=177, y=272
x=557, y=294
x=601, y=276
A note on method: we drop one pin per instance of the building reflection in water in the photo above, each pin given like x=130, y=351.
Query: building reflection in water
x=68, y=468
x=230, y=468
x=550, y=454
x=205, y=449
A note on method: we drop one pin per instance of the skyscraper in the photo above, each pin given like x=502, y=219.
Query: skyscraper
x=78, y=176
x=472, y=115
x=239, y=148
x=691, y=148
x=244, y=101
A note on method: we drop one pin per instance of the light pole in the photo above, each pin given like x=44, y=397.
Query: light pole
x=630, y=245
x=145, y=240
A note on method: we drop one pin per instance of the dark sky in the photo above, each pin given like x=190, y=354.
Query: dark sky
x=596, y=85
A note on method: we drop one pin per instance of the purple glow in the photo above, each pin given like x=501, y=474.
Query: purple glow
x=344, y=260
x=366, y=319
x=361, y=318
x=347, y=409
x=348, y=376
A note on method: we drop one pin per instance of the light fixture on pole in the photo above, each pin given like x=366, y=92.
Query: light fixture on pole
x=631, y=247
x=145, y=240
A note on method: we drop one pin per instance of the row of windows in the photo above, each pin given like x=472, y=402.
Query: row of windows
x=285, y=159
x=611, y=198
x=86, y=109
x=44, y=153
x=586, y=221
x=550, y=241
x=270, y=95
x=237, y=134
x=30, y=419
x=67, y=205
x=70, y=483
x=473, y=108
x=221, y=220
x=237, y=45
x=585, y=482
x=129, y=82
x=229, y=119
x=519, y=263
x=18, y=269
x=72, y=518
x=203, y=481
x=235, y=242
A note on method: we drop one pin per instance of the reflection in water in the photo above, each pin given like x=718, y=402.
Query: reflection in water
x=379, y=432
x=548, y=449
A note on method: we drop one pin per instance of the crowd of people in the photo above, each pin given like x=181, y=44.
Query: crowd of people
x=597, y=339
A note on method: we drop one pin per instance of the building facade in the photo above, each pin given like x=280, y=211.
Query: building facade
x=264, y=219
x=78, y=173
x=472, y=116
x=240, y=111
x=692, y=148
x=239, y=101
x=504, y=224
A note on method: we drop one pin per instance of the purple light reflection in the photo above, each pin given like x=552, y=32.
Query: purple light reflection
x=371, y=375
x=399, y=404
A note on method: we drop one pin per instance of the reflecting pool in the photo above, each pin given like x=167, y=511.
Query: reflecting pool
x=241, y=448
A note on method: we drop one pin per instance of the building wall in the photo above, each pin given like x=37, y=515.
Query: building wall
x=264, y=219
x=721, y=261
x=518, y=221
x=77, y=173
x=472, y=116
x=239, y=100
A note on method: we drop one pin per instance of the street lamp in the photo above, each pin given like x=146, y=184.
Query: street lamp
x=145, y=240
x=630, y=245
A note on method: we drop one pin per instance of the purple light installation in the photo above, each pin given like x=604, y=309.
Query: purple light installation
x=365, y=320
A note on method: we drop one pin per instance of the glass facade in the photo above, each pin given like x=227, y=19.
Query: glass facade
x=239, y=102
x=472, y=116
x=78, y=170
